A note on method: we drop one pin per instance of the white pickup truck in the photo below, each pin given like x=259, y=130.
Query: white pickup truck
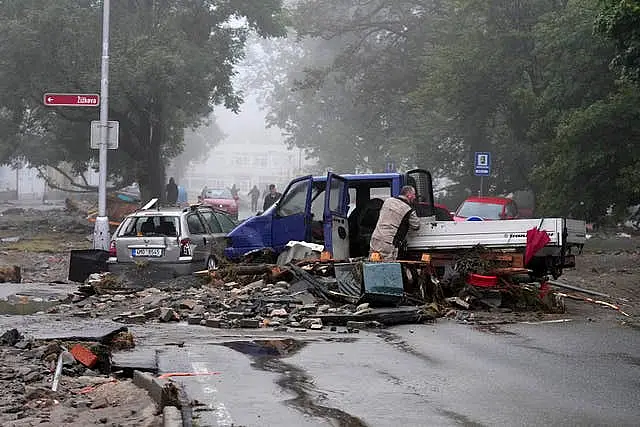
x=442, y=238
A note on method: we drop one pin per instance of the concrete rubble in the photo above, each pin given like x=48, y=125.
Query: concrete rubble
x=35, y=394
x=311, y=295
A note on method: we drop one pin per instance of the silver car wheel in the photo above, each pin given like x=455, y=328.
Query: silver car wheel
x=212, y=264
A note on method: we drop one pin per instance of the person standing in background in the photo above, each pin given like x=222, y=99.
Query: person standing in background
x=183, y=199
x=172, y=192
x=255, y=195
x=271, y=197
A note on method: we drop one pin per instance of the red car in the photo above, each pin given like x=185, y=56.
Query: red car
x=221, y=199
x=486, y=208
x=442, y=213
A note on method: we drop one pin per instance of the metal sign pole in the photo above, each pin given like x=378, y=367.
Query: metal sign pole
x=101, y=231
x=481, y=182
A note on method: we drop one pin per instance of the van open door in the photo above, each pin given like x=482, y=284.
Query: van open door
x=292, y=217
x=420, y=179
x=336, y=225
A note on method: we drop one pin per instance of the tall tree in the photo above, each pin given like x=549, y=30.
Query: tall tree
x=171, y=62
x=344, y=97
x=620, y=20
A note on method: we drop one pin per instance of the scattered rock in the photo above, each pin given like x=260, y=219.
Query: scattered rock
x=32, y=393
x=32, y=376
x=154, y=313
x=279, y=312
x=195, y=319
x=249, y=323
x=168, y=315
x=11, y=337
x=235, y=315
x=99, y=403
x=187, y=304
x=10, y=274
x=213, y=323
x=136, y=318
x=362, y=306
x=82, y=314
x=311, y=323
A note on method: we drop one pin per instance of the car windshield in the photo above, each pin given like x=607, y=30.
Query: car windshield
x=480, y=209
x=218, y=193
x=157, y=225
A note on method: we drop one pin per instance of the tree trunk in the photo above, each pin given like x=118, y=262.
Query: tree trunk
x=151, y=176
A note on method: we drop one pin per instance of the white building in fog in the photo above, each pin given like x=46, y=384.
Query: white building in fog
x=245, y=165
x=26, y=184
x=250, y=155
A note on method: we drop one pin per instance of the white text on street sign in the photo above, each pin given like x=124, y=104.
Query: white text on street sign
x=71, y=99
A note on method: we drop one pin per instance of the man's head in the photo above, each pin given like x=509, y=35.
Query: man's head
x=408, y=192
x=272, y=188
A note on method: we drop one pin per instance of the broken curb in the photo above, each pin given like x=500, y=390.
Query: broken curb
x=162, y=395
x=171, y=417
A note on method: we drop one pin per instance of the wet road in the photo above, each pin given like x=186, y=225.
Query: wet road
x=446, y=374
x=437, y=375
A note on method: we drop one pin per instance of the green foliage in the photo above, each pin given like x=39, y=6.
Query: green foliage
x=171, y=61
x=428, y=83
x=594, y=158
x=620, y=20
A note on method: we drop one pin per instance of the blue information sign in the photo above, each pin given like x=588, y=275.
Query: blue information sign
x=482, y=165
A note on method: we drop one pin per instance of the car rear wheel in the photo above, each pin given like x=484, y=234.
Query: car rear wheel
x=212, y=264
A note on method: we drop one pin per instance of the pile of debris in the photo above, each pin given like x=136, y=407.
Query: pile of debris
x=247, y=302
x=314, y=294
x=55, y=381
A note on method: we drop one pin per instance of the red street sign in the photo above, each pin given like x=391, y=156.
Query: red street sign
x=71, y=99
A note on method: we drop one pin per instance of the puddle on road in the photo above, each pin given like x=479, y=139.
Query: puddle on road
x=348, y=340
x=397, y=342
x=267, y=356
x=493, y=329
x=23, y=305
x=266, y=348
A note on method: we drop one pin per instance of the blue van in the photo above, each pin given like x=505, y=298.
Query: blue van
x=337, y=211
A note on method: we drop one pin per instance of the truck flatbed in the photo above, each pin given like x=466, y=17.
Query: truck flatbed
x=507, y=234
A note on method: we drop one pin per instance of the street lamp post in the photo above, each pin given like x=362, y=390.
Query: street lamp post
x=101, y=231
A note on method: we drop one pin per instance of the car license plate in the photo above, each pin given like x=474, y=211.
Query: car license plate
x=148, y=252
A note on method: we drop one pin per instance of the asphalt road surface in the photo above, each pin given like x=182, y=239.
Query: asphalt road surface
x=447, y=374
x=573, y=373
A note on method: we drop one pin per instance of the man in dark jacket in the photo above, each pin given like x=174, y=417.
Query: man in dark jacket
x=172, y=192
x=271, y=197
x=397, y=216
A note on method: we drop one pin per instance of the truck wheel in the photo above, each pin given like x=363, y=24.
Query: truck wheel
x=212, y=264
